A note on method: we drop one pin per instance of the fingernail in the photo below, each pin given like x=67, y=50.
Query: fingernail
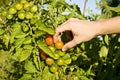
x=63, y=49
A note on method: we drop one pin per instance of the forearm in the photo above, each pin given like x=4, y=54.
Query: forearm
x=109, y=26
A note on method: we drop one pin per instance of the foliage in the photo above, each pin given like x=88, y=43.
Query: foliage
x=22, y=40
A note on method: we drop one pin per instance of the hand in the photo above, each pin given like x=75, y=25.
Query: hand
x=82, y=31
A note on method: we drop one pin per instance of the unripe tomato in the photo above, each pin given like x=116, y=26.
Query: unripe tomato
x=33, y=8
x=43, y=55
x=59, y=44
x=21, y=15
x=4, y=13
x=49, y=61
x=49, y=40
x=61, y=53
x=26, y=6
x=60, y=61
x=29, y=15
x=9, y=16
x=56, y=56
x=12, y=10
x=53, y=68
x=18, y=6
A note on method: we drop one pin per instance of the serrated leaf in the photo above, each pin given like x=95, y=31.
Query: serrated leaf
x=18, y=42
x=42, y=45
x=20, y=35
x=21, y=54
x=47, y=75
x=27, y=40
x=103, y=51
x=29, y=67
x=26, y=77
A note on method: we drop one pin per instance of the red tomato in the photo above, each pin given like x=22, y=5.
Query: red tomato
x=43, y=55
x=49, y=40
x=59, y=44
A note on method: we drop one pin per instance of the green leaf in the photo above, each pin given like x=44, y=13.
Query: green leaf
x=106, y=39
x=19, y=42
x=20, y=35
x=30, y=47
x=26, y=77
x=27, y=40
x=2, y=31
x=116, y=9
x=22, y=54
x=103, y=51
x=29, y=67
x=42, y=45
x=41, y=26
x=47, y=75
x=39, y=33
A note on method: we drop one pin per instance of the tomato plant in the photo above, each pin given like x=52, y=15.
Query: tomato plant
x=25, y=26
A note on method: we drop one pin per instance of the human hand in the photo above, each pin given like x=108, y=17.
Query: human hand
x=82, y=31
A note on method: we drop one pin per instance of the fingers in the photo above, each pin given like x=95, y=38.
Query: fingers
x=70, y=45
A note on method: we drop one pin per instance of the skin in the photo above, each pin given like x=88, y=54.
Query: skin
x=84, y=30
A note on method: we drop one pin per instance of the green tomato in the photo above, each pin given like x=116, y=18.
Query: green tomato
x=53, y=68
x=74, y=58
x=18, y=6
x=29, y=15
x=33, y=8
x=68, y=61
x=21, y=15
x=12, y=11
x=4, y=13
x=56, y=56
x=60, y=62
x=9, y=16
x=61, y=53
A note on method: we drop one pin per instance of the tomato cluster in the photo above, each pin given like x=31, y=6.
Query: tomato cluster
x=60, y=58
x=21, y=10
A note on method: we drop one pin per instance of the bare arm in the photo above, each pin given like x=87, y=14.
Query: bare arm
x=86, y=30
x=109, y=26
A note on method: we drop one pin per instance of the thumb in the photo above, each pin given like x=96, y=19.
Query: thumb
x=69, y=45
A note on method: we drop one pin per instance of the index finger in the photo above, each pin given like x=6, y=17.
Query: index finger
x=59, y=30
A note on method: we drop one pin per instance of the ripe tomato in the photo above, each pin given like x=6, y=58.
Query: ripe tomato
x=59, y=44
x=49, y=40
x=9, y=16
x=12, y=10
x=53, y=68
x=43, y=55
x=49, y=61
x=18, y=6
x=60, y=61
x=33, y=8
x=21, y=15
